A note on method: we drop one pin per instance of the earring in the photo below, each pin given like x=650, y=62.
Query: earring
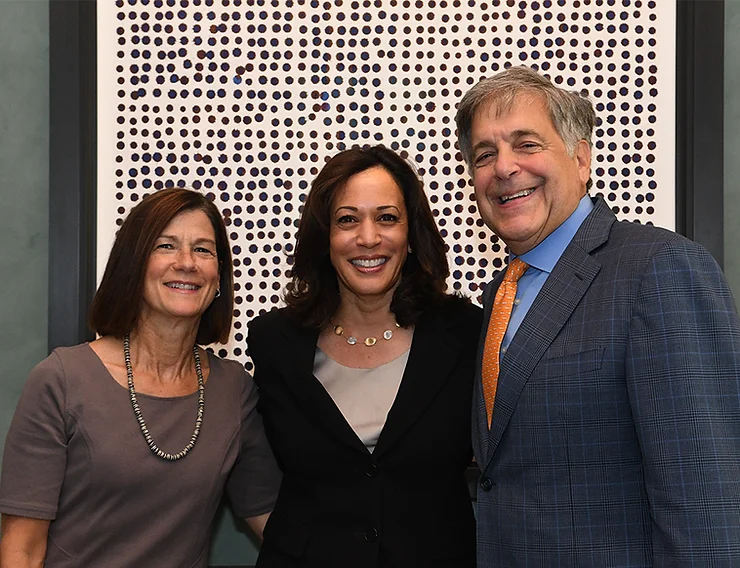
x=218, y=294
x=409, y=249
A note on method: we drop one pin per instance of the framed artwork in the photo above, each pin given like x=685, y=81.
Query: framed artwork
x=245, y=101
x=293, y=49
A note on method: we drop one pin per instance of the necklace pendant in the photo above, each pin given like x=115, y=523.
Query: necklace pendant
x=338, y=330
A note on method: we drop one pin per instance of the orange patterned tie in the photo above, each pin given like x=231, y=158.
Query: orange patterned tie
x=500, y=315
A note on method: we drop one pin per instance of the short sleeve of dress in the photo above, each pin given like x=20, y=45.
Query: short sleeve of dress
x=35, y=455
x=255, y=479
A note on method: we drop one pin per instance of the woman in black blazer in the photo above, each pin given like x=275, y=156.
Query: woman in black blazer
x=366, y=380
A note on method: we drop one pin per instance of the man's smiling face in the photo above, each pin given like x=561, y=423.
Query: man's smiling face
x=526, y=182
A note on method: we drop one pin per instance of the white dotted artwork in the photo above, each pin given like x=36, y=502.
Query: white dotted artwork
x=244, y=100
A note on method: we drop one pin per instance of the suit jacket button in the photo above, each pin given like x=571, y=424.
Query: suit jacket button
x=371, y=534
x=486, y=484
x=372, y=470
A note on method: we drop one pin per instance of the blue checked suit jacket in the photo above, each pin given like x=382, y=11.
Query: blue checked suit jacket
x=616, y=429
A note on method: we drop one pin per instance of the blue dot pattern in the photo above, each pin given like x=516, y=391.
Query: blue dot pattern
x=245, y=100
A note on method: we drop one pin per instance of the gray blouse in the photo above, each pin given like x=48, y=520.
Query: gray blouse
x=364, y=396
x=75, y=455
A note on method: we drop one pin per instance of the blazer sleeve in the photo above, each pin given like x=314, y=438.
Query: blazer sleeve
x=256, y=350
x=683, y=375
x=262, y=347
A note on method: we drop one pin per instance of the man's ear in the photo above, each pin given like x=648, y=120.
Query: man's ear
x=583, y=161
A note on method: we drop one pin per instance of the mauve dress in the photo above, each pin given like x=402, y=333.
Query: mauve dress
x=75, y=455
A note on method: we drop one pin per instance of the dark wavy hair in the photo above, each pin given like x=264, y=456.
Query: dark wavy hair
x=116, y=307
x=313, y=294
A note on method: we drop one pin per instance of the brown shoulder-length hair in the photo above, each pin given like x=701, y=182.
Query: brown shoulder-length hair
x=313, y=294
x=117, y=304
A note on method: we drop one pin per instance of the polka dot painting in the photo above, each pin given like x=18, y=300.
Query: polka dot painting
x=245, y=100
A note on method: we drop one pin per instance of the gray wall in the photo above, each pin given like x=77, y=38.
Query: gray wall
x=233, y=544
x=732, y=145
x=24, y=194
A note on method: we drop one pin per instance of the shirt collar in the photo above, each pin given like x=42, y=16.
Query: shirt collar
x=546, y=254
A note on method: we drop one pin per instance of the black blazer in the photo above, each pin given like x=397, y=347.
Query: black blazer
x=404, y=505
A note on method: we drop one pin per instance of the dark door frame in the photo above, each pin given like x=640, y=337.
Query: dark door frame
x=700, y=123
x=72, y=168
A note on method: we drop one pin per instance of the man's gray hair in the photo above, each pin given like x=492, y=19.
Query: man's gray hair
x=571, y=113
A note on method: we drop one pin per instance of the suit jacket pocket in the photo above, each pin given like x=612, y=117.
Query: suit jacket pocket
x=285, y=536
x=571, y=364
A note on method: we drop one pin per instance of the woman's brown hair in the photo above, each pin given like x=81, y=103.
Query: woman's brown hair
x=313, y=294
x=117, y=304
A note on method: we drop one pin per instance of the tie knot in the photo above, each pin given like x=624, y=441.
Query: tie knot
x=517, y=267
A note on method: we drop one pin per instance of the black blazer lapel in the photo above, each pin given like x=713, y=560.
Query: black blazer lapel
x=562, y=292
x=434, y=353
x=297, y=371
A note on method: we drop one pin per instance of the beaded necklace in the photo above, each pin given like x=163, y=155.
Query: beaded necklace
x=137, y=410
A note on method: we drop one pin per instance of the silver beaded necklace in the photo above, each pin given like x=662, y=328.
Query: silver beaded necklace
x=137, y=411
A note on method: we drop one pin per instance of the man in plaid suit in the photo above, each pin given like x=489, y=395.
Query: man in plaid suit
x=615, y=431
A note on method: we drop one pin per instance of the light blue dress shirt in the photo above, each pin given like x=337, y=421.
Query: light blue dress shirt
x=541, y=260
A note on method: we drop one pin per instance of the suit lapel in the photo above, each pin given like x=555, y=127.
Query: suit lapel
x=565, y=287
x=311, y=395
x=434, y=353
